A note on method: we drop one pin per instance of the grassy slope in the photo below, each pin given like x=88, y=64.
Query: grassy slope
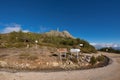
x=20, y=39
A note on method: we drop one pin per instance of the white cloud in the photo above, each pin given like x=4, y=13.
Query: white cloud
x=43, y=29
x=25, y=31
x=93, y=44
x=100, y=45
x=13, y=27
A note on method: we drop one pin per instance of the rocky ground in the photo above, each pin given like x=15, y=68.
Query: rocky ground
x=37, y=59
x=110, y=72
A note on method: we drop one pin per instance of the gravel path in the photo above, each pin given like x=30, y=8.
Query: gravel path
x=110, y=72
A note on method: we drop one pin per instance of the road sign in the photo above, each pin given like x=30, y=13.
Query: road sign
x=62, y=50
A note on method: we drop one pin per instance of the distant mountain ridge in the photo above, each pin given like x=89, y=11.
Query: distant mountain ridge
x=99, y=46
x=64, y=34
x=117, y=48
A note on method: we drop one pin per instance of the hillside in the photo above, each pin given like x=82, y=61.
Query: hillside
x=21, y=51
x=53, y=39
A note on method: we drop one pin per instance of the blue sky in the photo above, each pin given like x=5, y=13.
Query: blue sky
x=97, y=21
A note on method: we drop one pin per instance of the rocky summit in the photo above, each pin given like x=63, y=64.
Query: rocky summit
x=64, y=34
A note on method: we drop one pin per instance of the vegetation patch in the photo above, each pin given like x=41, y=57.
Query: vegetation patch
x=93, y=60
x=100, y=58
x=22, y=40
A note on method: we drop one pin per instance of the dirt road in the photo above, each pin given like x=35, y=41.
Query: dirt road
x=110, y=72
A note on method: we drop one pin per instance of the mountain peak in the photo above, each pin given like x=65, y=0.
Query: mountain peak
x=65, y=34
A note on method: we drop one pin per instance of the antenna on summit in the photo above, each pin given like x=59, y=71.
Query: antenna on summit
x=57, y=29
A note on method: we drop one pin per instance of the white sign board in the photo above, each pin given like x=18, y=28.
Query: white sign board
x=36, y=41
x=74, y=50
x=81, y=45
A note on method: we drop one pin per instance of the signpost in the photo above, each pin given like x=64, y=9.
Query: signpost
x=81, y=45
x=62, y=50
x=75, y=51
x=36, y=41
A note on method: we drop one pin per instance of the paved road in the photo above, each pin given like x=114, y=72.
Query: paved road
x=110, y=72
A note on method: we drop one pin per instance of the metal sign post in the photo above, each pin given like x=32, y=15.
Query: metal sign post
x=62, y=50
x=81, y=45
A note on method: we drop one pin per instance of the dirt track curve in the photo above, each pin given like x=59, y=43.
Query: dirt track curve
x=110, y=72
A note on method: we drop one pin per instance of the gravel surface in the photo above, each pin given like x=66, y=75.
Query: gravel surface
x=110, y=72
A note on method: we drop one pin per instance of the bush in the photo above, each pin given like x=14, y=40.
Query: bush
x=93, y=60
x=100, y=58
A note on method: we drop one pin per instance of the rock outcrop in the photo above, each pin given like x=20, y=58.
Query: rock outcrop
x=65, y=34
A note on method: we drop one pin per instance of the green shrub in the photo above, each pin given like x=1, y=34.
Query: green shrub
x=100, y=58
x=93, y=60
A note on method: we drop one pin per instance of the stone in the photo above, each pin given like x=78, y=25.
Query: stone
x=3, y=63
x=55, y=64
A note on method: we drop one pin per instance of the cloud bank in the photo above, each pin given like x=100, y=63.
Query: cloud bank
x=13, y=27
x=101, y=45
